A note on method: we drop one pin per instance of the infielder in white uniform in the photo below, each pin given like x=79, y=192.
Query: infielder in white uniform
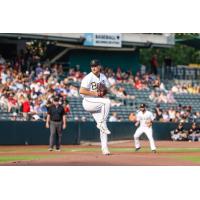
x=144, y=118
x=96, y=104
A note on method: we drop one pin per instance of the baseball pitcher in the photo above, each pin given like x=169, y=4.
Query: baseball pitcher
x=93, y=90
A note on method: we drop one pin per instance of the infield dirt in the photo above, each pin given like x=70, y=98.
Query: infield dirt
x=90, y=155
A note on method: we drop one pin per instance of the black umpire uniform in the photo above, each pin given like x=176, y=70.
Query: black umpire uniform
x=56, y=120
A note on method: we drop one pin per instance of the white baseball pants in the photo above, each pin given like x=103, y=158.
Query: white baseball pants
x=149, y=133
x=99, y=108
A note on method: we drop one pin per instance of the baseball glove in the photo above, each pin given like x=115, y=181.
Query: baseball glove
x=101, y=90
x=149, y=123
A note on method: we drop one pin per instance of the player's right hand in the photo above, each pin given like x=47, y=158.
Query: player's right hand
x=96, y=94
x=47, y=125
x=137, y=124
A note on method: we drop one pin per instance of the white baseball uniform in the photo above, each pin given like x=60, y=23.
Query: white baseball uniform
x=99, y=107
x=143, y=128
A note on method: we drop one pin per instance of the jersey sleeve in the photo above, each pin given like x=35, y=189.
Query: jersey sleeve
x=85, y=83
x=152, y=116
x=138, y=117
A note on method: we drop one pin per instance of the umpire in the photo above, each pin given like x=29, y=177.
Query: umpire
x=56, y=120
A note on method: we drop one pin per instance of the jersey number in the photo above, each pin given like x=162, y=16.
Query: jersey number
x=94, y=85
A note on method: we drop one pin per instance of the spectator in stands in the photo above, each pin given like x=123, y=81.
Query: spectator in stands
x=153, y=96
x=172, y=114
x=119, y=77
x=194, y=133
x=36, y=110
x=178, y=117
x=185, y=116
x=78, y=75
x=179, y=134
x=170, y=97
x=54, y=70
x=162, y=87
x=111, y=80
x=158, y=113
x=196, y=117
x=165, y=116
x=66, y=106
x=156, y=83
x=12, y=103
x=138, y=84
x=162, y=98
x=175, y=89
x=60, y=71
x=3, y=102
x=132, y=117
x=114, y=117
x=14, y=116
x=38, y=69
x=83, y=119
x=130, y=80
x=123, y=94
x=154, y=65
x=115, y=103
x=25, y=108
x=3, y=76
x=143, y=69
x=73, y=91
x=2, y=60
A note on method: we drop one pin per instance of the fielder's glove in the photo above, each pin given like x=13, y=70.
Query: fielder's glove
x=101, y=90
x=149, y=123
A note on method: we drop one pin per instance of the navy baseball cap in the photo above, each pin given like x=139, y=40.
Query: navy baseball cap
x=56, y=98
x=94, y=62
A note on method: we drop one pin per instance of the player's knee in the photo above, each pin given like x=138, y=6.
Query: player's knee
x=107, y=101
x=135, y=137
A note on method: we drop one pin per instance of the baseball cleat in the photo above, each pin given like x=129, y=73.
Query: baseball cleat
x=153, y=151
x=50, y=149
x=137, y=149
x=103, y=128
x=106, y=152
x=58, y=150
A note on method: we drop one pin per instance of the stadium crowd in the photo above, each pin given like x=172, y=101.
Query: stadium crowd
x=176, y=114
x=30, y=92
x=185, y=87
x=28, y=86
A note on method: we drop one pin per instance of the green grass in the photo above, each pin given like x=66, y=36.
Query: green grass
x=187, y=158
x=94, y=149
x=144, y=150
x=13, y=158
x=4, y=159
x=178, y=150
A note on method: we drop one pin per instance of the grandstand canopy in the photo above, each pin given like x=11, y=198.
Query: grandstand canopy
x=192, y=42
x=129, y=40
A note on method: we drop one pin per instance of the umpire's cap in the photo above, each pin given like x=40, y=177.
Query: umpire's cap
x=56, y=98
x=94, y=63
x=142, y=105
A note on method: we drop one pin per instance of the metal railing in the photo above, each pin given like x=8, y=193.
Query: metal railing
x=180, y=72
